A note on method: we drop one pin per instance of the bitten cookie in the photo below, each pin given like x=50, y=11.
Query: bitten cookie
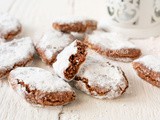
x=79, y=25
x=18, y=52
x=101, y=79
x=70, y=59
x=114, y=46
x=9, y=26
x=40, y=87
x=148, y=68
x=51, y=44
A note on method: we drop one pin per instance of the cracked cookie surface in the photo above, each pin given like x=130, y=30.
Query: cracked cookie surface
x=70, y=60
x=148, y=68
x=18, y=52
x=9, y=26
x=51, y=43
x=101, y=79
x=40, y=87
x=112, y=45
x=80, y=25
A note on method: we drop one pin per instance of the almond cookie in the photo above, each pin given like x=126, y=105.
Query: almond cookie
x=148, y=68
x=101, y=79
x=79, y=25
x=40, y=87
x=114, y=46
x=51, y=44
x=9, y=26
x=18, y=52
x=70, y=59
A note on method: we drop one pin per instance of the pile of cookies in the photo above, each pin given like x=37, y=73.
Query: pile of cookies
x=73, y=61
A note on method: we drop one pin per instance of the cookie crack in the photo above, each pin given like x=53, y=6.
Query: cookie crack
x=92, y=88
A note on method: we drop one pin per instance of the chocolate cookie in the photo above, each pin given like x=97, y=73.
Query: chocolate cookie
x=101, y=79
x=9, y=26
x=114, y=46
x=79, y=25
x=18, y=52
x=51, y=43
x=40, y=87
x=70, y=59
x=148, y=68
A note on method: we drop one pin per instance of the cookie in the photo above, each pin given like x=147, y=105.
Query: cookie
x=40, y=87
x=101, y=79
x=112, y=45
x=70, y=59
x=9, y=26
x=18, y=52
x=148, y=68
x=79, y=25
x=51, y=43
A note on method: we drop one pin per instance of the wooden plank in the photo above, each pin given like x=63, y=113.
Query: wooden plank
x=5, y=5
x=141, y=102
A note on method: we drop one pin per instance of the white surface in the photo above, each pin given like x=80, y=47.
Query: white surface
x=141, y=102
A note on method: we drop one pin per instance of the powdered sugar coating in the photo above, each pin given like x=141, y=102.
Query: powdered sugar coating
x=63, y=62
x=71, y=19
x=14, y=52
x=52, y=42
x=104, y=75
x=39, y=79
x=8, y=24
x=150, y=61
x=109, y=40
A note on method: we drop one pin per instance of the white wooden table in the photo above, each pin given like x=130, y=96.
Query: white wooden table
x=140, y=102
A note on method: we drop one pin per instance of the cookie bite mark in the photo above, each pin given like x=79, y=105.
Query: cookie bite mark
x=41, y=87
x=148, y=68
x=79, y=25
x=52, y=43
x=112, y=45
x=18, y=52
x=76, y=60
x=9, y=26
x=70, y=59
x=101, y=79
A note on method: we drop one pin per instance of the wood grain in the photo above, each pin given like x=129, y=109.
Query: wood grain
x=141, y=102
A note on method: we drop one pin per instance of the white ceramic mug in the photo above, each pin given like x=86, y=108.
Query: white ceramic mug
x=135, y=18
